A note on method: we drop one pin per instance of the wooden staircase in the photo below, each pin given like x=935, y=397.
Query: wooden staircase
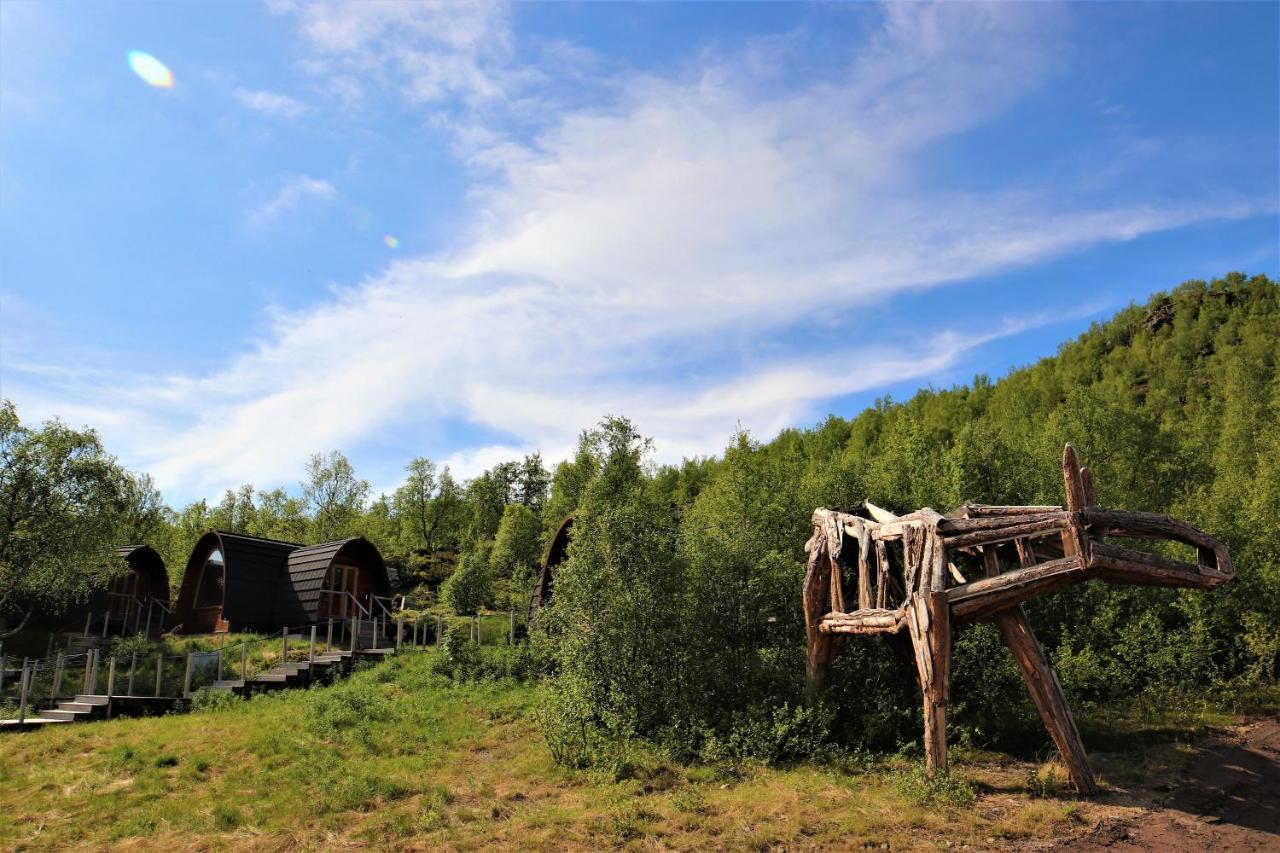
x=300, y=673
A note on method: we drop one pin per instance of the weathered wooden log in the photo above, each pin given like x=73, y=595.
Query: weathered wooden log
x=821, y=648
x=981, y=598
x=1074, y=540
x=1147, y=525
x=929, y=626
x=874, y=621
x=911, y=545
x=1117, y=564
x=864, y=569
x=1042, y=682
x=950, y=527
x=938, y=568
x=1055, y=523
x=882, y=577
x=979, y=510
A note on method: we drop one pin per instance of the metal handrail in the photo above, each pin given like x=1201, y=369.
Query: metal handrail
x=363, y=609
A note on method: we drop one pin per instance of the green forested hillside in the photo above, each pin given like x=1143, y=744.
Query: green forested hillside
x=664, y=607
x=677, y=617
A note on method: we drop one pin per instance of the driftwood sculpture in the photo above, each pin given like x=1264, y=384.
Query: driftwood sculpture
x=925, y=572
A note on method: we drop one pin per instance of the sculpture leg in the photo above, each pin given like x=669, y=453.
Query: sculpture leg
x=929, y=624
x=1046, y=692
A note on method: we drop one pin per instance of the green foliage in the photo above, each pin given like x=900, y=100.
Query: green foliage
x=516, y=551
x=334, y=494
x=461, y=660
x=944, y=789
x=470, y=587
x=676, y=617
x=63, y=504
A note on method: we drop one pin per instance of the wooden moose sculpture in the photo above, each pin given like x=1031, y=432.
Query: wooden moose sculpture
x=924, y=572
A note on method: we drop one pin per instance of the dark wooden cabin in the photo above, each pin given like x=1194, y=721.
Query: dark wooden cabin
x=326, y=581
x=557, y=552
x=132, y=602
x=235, y=582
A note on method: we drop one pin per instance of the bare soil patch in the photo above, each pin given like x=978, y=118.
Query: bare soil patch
x=1227, y=799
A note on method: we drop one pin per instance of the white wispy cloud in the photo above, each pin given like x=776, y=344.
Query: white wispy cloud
x=641, y=257
x=292, y=192
x=271, y=103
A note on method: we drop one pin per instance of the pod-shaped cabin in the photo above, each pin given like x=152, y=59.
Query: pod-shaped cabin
x=135, y=601
x=143, y=592
x=557, y=553
x=333, y=580
x=235, y=582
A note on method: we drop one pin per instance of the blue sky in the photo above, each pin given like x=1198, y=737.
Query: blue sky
x=698, y=215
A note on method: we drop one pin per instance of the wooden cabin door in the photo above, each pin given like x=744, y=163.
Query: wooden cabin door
x=344, y=583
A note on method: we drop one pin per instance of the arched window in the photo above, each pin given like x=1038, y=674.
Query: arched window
x=209, y=592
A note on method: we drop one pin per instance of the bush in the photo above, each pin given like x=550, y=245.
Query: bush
x=462, y=660
x=775, y=736
x=205, y=700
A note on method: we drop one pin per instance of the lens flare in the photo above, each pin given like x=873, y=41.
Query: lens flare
x=392, y=242
x=151, y=70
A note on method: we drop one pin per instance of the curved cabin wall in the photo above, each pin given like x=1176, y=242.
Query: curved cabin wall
x=325, y=581
x=231, y=583
x=128, y=596
x=557, y=553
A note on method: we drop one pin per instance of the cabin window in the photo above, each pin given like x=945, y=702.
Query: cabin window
x=209, y=592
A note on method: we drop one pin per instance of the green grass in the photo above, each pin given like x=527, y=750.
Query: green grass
x=396, y=755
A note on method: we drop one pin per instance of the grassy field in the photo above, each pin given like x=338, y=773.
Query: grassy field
x=397, y=757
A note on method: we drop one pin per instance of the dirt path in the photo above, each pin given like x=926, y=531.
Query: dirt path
x=1228, y=800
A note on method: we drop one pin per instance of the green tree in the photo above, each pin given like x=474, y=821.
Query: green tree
x=281, y=516
x=469, y=588
x=516, y=554
x=62, y=503
x=334, y=494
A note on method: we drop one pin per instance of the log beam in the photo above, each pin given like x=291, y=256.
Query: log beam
x=929, y=625
x=1043, y=685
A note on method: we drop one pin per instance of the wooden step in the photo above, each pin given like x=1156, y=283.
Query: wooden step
x=61, y=715
x=78, y=707
x=227, y=684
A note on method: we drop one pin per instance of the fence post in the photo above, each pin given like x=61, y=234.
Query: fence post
x=87, y=618
x=84, y=683
x=133, y=667
x=150, y=603
x=328, y=637
x=93, y=682
x=284, y=647
x=23, y=685
x=111, y=682
x=57, y=676
x=311, y=653
x=244, y=660
x=219, y=664
x=186, y=679
x=355, y=632
x=159, y=672
x=399, y=634
x=106, y=621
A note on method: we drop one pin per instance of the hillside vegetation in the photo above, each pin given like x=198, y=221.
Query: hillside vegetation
x=676, y=618
x=403, y=757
